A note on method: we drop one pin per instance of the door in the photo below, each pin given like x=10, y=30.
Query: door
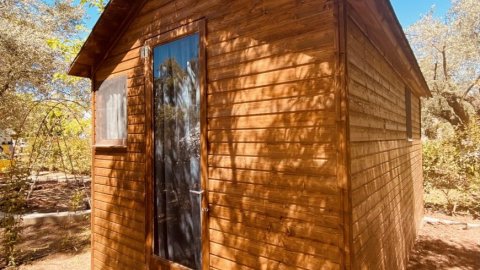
x=178, y=146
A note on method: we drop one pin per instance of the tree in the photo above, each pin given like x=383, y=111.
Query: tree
x=448, y=50
x=38, y=40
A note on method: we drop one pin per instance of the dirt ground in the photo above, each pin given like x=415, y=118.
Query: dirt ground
x=46, y=245
x=447, y=246
x=52, y=196
x=61, y=247
x=77, y=261
x=438, y=247
x=54, y=192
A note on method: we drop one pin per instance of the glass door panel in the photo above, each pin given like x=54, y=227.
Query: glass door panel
x=178, y=191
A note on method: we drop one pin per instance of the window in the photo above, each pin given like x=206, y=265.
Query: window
x=408, y=112
x=111, y=112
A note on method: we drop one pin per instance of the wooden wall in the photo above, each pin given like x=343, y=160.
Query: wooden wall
x=386, y=169
x=273, y=191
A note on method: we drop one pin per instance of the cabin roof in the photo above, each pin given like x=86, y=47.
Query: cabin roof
x=118, y=14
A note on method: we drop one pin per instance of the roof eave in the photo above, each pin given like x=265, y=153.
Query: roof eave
x=408, y=48
x=112, y=21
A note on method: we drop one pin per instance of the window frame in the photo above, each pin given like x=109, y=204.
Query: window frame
x=408, y=114
x=152, y=41
x=100, y=143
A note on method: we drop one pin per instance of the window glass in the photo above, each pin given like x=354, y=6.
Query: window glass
x=111, y=112
x=408, y=112
x=177, y=218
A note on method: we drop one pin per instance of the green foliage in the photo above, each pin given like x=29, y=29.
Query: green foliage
x=39, y=101
x=452, y=166
x=59, y=138
x=99, y=4
x=77, y=200
x=13, y=192
x=447, y=50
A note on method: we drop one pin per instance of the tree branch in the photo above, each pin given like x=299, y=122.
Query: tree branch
x=444, y=59
x=455, y=102
x=477, y=81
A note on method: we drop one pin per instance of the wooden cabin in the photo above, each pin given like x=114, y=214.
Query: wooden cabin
x=267, y=134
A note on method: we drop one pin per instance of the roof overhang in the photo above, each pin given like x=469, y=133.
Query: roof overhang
x=382, y=27
x=113, y=21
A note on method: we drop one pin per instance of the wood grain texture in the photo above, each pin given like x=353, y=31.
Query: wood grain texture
x=271, y=114
x=385, y=168
x=306, y=165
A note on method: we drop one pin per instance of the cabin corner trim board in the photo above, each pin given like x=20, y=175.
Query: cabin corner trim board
x=343, y=131
x=196, y=27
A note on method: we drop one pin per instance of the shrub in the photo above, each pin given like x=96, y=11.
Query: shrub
x=452, y=166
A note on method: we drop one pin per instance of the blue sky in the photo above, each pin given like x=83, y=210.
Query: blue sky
x=408, y=11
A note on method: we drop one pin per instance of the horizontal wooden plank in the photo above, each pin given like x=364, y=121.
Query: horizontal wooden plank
x=120, y=239
x=118, y=164
x=241, y=257
x=101, y=264
x=321, y=86
x=125, y=255
x=103, y=221
x=284, y=241
x=136, y=175
x=300, y=42
x=281, y=235
x=319, y=184
x=120, y=183
x=287, y=257
x=275, y=194
x=272, y=63
x=287, y=150
x=320, y=134
x=117, y=191
x=123, y=157
x=294, y=104
x=120, y=211
x=278, y=120
x=320, y=216
x=218, y=262
x=301, y=166
x=117, y=199
x=304, y=72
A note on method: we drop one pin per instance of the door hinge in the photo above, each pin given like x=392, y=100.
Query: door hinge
x=144, y=52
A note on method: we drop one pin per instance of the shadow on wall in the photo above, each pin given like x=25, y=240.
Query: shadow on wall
x=383, y=193
x=272, y=155
x=385, y=167
x=272, y=149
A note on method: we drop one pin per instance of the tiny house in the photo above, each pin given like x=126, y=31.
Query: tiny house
x=267, y=134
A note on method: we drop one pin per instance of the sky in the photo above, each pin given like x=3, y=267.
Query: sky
x=408, y=11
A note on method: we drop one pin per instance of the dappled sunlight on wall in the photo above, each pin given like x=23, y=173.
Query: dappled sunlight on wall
x=272, y=150
x=272, y=137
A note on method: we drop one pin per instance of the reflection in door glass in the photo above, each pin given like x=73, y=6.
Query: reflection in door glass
x=177, y=152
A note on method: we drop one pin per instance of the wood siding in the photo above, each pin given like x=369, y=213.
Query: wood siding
x=272, y=155
x=386, y=168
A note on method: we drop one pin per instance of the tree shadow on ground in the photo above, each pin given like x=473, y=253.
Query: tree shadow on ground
x=41, y=240
x=430, y=253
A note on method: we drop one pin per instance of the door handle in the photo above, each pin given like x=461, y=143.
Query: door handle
x=198, y=192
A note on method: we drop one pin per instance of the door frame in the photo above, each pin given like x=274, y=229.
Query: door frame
x=151, y=260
